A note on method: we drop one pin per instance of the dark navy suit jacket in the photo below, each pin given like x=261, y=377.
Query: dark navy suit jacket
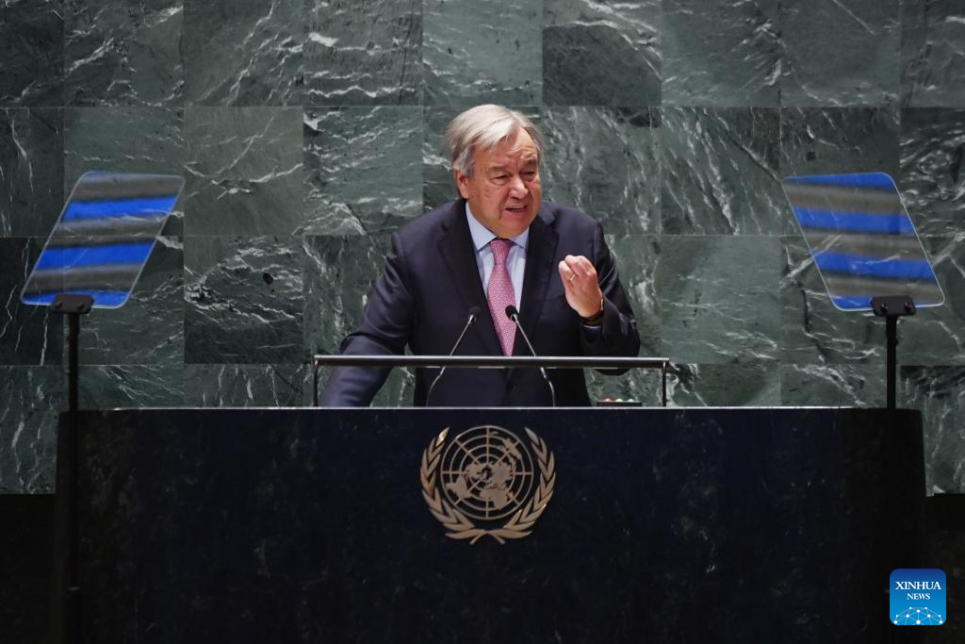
x=431, y=281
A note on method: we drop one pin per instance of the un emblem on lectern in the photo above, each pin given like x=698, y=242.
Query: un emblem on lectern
x=487, y=481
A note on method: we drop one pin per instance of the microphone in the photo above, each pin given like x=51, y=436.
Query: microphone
x=513, y=315
x=473, y=316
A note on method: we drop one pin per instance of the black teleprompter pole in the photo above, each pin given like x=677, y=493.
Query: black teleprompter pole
x=73, y=306
x=891, y=308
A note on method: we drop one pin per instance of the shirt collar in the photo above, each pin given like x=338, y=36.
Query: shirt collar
x=482, y=235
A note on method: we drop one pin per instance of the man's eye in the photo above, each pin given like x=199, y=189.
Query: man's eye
x=529, y=175
x=501, y=178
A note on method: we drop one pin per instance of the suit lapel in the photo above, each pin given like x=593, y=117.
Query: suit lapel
x=457, y=251
x=540, y=253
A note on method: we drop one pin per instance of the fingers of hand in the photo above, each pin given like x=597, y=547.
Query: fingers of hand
x=581, y=266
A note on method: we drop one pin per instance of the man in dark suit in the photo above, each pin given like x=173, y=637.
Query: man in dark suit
x=500, y=244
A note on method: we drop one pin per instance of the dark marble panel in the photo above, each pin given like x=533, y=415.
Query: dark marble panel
x=833, y=140
x=32, y=179
x=244, y=171
x=26, y=567
x=840, y=53
x=721, y=53
x=32, y=51
x=364, y=53
x=601, y=53
x=243, y=300
x=363, y=168
x=481, y=51
x=721, y=172
x=860, y=385
x=263, y=385
x=604, y=161
x=125, y=139
x=637, y=259
x=28, y=334
x=244, y=52
x=438, y=184
x=725, y=385
x=933, y=53
x=106, y=387
x=149, y=328
x=32, y=397
x=932, y=174
x=123, y=53
x=340, y=274
x=939, y=392
x=720, y=299
x=815, y=331
x=936, y=336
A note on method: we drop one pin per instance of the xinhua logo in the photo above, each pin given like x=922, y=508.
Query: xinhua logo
x=918, y=597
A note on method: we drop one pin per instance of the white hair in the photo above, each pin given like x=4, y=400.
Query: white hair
x=482, y=128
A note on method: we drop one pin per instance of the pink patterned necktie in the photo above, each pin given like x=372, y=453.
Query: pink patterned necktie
x=501, y=294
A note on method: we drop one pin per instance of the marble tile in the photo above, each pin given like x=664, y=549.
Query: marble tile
x=721, y=172
x=364, y=53
x=256, y=385
x=109, y=386
x=340, y=274
x=243, y=300
x=244, y=52
x=724, y=385
x=32, y=180
x=604, y=161
x=862, y=385
x=839, y=140
x=125, y=139
x=149, y=328
x=939, y=392
x=244, y=171
x=438, y=184
x=933, y=53
x=637, y=259
x=28, y=334
x=721, y=53
x=932, y=177
x=123, y=53
x=936, y=336
x=601, y=53
x=840, y=53
x=32, y=51
x=363, y=167
x=720, y=299
x=481, y=51
x=28, y=428
x=814, y=331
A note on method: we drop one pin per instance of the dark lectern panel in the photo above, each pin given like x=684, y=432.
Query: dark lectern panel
x=704, y=525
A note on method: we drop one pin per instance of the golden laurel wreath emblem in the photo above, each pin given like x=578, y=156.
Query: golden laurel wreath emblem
x=484, y=482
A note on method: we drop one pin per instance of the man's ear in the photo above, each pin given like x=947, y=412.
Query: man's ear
x=462, y=183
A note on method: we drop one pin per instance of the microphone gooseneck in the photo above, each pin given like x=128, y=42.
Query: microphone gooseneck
x=473, y=316
x=513, y=314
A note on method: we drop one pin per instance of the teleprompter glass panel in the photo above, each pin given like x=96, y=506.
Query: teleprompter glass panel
x=103, y=238
x=862, y=239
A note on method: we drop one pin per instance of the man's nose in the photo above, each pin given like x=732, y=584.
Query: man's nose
x=517, y=187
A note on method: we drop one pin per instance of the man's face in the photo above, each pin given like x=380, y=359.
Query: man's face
x=504, y=192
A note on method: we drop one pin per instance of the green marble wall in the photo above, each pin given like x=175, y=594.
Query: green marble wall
x=308, y=130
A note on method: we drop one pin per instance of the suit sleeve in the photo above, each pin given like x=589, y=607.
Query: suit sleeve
x=385, y=330
x=618, y=334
